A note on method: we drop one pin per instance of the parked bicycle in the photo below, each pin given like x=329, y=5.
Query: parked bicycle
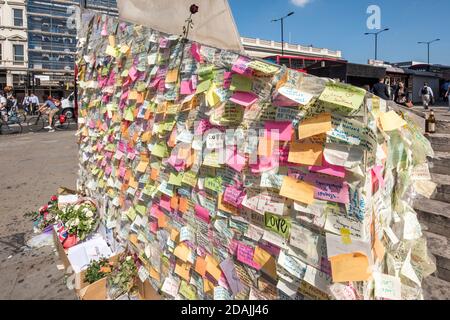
x=13, y=123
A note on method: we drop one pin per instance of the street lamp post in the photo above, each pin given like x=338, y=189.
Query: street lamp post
x=376, y=40
x=282, y=30
x=428, y=43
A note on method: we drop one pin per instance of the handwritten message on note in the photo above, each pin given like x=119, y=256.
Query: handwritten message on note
x=245, y=255
x=343, y=95
x=278, y=224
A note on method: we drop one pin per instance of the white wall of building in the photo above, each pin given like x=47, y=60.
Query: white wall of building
x=13, y=32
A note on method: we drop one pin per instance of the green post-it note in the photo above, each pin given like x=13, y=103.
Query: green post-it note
x=277, y=224
x=131, y=214
x=203, y=86
x=241, y=83
x=176, y=179
x=141, y=209
x=160, y=150
x=214, y=184
x=129, y=115
x=343, y=95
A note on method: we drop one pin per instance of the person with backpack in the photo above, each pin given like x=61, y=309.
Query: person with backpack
x=447, y=95
x=427, y=95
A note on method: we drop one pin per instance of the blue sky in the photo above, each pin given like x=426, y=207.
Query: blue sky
x=341, y=24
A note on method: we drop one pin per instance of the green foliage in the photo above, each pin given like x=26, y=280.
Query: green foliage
x=97, y=270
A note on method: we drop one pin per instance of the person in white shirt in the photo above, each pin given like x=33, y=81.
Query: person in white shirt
x=447, y=95
x=34, y=100
x=3, y=107
x=427, y=95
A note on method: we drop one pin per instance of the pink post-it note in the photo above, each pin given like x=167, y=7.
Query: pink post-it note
x=329, y=188
x=227, y=77
x=245, y=99
x=378, y=174
x=186, y=87
x=235, y=160
x=233, y=196
x=202, y=213
x=329, y=169
x=241, y=66
x=281, y=131
x=164, y=202
x=245, y=255
x=195, y=51
x=133, y=73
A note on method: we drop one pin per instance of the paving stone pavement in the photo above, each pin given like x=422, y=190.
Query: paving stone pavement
x=32, y=167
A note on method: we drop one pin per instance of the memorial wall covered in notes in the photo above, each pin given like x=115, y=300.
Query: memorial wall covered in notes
x=232, y=178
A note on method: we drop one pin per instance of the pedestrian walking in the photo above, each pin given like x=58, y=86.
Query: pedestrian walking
x=381, y=90
x=447, y=95
x=34, y=103
x=26, y=103
x=3, y=107
x=427, y=95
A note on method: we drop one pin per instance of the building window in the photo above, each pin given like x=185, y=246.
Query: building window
x=18, y=17
x=19, y=56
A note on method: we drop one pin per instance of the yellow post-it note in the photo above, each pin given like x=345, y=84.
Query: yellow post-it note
x=391, y=121
x=111, y=51
x=174, y=234
x=183, y=270
x=212, y=97
x=297, y=190
x=345, y=235
x=182, y=252
x=340, y=94
x=306, y=153
x=266, y=261
x=176, y=179
x=142, y=166
x=350, y=267
x=315, y=126
x=112, y=40
x=213, y=270
x=203, y=86
x=172, y=76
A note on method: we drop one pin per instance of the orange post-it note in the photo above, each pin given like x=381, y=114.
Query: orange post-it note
x=142, y=166
x=146, y=136
x=200, y=266
x=154, y=174
x=133, y=183
x=208, y=286
x=225, y=206
x=174, y=202
x=379, y=249
x=172, y=76
x=182, y=252
x=315, y=126
x=162, y=221
x=265, y=259
x=265, y=147
x=213, y=270
x=297, y=190
x=174, y=235
x=183, y=270
x=154, y=274
x=306, y=154
x=350, y=267
x=132, y=95
x=183, y=205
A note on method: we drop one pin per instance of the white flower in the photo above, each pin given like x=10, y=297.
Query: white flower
x=89, y=214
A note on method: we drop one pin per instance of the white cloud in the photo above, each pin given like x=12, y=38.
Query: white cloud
x=300, y=3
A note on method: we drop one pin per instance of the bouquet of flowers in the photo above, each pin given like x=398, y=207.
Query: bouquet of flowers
x=98, y=270
x=76, y=222
x=123, y=278
x=46, y=216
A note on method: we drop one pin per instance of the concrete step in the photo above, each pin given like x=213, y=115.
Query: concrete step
x=436, y=289
x=443, y=126
x=439, y=247
x=435, y=215
x=443, y=187
x=440, y=164
x=440, y=141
